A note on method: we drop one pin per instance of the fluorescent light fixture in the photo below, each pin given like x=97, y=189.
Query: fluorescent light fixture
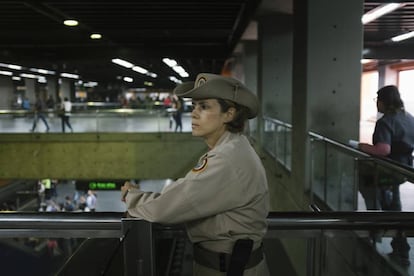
x=152, y=75
x=90, y=84
x=71, y=22
x=178, y=69
x=402, y=37
x=30, y=76
x=170, y=62
x=181, y=71
x=6, y=73
x=174, y=79
x=41, y=79
x=16, y=78
x=122, y=62
x=11, y=66
x=128, y=79
x=380, y=11
x=42, y=71
x=69, y=75
x=140, y=69
x=184, y=75
x=15, y=67
x=96, y=36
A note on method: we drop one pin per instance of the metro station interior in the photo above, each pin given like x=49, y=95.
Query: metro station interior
x=315, y=67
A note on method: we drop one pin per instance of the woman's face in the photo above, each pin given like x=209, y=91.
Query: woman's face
x=208, y=121
x=380, y=106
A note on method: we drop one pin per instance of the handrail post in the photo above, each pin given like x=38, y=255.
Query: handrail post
x=138, y=248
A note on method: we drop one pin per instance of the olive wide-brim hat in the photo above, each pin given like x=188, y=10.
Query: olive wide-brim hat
x=208, y=86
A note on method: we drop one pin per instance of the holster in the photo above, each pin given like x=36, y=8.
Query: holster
x=239, y=257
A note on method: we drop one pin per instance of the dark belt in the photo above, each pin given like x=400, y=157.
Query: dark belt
x=220, y=261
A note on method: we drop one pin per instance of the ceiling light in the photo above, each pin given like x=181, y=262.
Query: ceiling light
x=11, y=66
x=69, y=75
x=90, y=84
x=30, y=76
x=140, y=69
x=152, y=75
x=174, y=79
x=42, y=71
x=169, y=62
x=71, y=22
x=41, y=79
x=128, y=79
x=6, y=73
x=402, y=37
x=380, y=11
x=96, y=36
x=122, y=62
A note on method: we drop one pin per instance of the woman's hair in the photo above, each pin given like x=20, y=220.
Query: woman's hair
x=390, y=97
x=240, y=118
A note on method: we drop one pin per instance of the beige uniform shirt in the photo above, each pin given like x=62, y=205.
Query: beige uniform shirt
x=222, y=199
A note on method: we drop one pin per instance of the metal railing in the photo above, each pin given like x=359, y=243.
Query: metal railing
x=334, y=166
x=137, y=236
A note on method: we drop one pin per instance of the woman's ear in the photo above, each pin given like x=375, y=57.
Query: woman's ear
x=230, y=114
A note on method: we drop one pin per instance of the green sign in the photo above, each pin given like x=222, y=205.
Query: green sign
x=102, y=186
x=109, y=185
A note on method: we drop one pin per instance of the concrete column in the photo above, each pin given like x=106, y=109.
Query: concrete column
x=6, y=92
x=334, y=50
x=67, y=89
x=31, y=89
x=326, y=77
x=250, y=79
x=52, y=87
x=275, y=65
x=387, y=76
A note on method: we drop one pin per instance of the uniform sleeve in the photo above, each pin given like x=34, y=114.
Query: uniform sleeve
x=203, y=192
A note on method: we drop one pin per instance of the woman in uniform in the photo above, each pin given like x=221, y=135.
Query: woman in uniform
x=223, y=200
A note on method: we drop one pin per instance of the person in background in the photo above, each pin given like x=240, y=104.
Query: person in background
x=393, y=138
x=224, y=199
x=41, y=194
x=66, y=112
x=177, y=115
x=26, y=103
x=68, y=205
x=50, y=102
x=91, y=201
x=39, y=109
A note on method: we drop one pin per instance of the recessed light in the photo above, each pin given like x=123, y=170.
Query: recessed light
x=96, y=36
x=71, y=22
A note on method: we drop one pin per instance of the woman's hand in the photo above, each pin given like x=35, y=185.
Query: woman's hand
x=126, y=188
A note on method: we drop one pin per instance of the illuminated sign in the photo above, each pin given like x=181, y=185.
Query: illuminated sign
x=109, y=185
x=102, y=185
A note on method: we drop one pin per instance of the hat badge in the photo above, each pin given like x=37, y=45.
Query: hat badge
x=201, y=81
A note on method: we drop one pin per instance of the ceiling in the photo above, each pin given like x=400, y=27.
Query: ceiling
x=200, y=35
x=378, y=32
